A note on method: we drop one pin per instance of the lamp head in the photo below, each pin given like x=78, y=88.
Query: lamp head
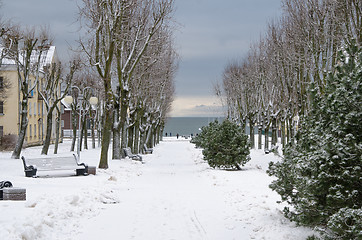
x=68, y=99
x=93, y=101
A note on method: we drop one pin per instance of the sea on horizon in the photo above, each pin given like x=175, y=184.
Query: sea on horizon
x=185, y=126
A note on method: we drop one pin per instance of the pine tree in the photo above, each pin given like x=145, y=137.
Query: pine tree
x=226, y=146
x=320, y=176
x=202, y=139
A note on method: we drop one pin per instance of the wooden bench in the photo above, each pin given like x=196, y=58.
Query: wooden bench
x=4, y=184
x=32, y=165
x=146, y=149
x=128, y=153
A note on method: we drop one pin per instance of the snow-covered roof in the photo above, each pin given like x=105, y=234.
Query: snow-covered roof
x=66, y=105
x=48, y=56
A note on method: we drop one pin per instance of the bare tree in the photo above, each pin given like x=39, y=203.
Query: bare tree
x=51, y=94
x=103, y=19
x=26, y=49
x=285, y=72
x=151, y=92
x=145, y=19
x=121, y=32
x=85, y=81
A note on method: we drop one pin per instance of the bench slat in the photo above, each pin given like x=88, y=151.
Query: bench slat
x=129, y=154
x=44, y=164
x=31, y=165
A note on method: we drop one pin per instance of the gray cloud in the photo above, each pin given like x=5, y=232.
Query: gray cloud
x=60, y=16
x=212, y=32
x=206, y=111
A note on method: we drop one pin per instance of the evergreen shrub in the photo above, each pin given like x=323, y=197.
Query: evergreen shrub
x=224, y=145
x=321, y=175
x=7, y=142
x=202, y=138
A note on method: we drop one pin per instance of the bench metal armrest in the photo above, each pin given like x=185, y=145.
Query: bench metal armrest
x=30, y=171
x=81, y=164
x=5, y=184
x=147, y=149
x=26, y=167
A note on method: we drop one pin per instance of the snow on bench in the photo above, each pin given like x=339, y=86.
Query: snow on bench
x=32, y=165
x=146, y=149
x=128, y=153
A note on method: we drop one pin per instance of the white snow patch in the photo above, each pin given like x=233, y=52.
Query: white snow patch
x=174, y=195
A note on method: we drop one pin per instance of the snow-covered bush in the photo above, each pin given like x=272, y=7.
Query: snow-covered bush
x=8, y=142
x=225, y=145
x=202, y=138
x=345, y=224
x=320, y=176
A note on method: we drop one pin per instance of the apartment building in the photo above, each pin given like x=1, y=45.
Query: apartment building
x=10, y=104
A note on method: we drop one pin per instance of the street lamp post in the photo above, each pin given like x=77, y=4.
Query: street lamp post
x=69, y=100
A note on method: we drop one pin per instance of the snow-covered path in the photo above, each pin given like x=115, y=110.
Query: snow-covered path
x=174, y=195
x=177, y=196
x=170, y=200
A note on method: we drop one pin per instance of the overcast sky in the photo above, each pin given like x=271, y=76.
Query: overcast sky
x=210, y=33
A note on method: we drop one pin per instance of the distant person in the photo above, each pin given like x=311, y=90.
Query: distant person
x=166, y=134
x=170, y=134
x=177, y=135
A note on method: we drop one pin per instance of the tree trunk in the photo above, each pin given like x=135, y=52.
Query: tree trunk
x=157, y=135
x=106, y=135
x=154, y=135
x=260, y=135
x=74, y=127
x=48, y=133
x=150, y=142
x=287, y=128
x=131, y=131
x=148, y=139
x=160, y=136
x=291, y=130
x=23, y=127
x=137, y=135
x=116, y=128
x=116, y=148
x=57, y=133
x=274, y=131
x=243, y=125
x=252, y=133
x=143, y=133
x=283, y=133
x=123, y=119
x=266, y=137
x=131, y=137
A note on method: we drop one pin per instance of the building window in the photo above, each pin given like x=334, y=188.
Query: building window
x=1, y=82
x=30, y=132
x=1, y=132
x=39, y=129
x=29, y=111
x=1, y=107
x=34, y=109
x=34, y=130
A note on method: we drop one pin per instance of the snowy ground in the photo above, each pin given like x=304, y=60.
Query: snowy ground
x=174, y=195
